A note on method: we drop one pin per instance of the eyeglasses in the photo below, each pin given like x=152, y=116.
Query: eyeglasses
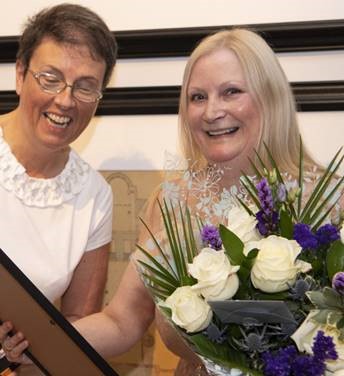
x=52, y=84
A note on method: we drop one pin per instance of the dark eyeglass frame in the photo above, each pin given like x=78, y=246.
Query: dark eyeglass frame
x=37, y=75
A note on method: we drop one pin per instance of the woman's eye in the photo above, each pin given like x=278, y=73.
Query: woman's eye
x=232, y=90
x=197, y=97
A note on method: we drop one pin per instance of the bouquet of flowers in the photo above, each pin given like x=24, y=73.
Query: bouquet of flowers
x=264, y=293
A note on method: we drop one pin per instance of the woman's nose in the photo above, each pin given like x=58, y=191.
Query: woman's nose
x=214, y=110
x=65, y=98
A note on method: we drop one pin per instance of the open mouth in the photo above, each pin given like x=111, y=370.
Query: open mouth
x=58, y=121
x=222, y=132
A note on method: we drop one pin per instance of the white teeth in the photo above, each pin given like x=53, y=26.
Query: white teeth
x=58, y=121
x=222, y=131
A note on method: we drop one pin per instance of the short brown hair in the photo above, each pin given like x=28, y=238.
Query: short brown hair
x=71, y=24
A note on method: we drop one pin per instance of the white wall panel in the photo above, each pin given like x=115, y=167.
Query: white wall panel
x=128, y=142
x=305, y=66
x=140, y=142
x=151, y=14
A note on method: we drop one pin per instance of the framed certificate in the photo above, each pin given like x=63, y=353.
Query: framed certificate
x=56, y=347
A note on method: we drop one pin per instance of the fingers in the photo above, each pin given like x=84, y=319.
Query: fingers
x=14, y=345
x=5, y=328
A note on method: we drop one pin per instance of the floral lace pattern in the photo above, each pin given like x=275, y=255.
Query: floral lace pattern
x=184, y=183
x=41, y=192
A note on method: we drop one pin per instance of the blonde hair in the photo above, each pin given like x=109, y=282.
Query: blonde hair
x=270, y=89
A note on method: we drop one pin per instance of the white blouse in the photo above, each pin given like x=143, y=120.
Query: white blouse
x=46, y=225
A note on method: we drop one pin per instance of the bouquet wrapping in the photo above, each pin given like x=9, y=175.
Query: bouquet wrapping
x=262, y=291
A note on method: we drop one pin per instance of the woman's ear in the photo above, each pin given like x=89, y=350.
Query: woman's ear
x=20, y=75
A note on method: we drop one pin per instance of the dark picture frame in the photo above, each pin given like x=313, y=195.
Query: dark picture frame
x=283, y=37
x=56, y=347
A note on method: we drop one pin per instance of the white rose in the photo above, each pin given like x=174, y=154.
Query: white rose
x=242, y=224
x=189, y=310
x=275, y=268
x=215, y=275
x=304, y=338
x=222, y=290
x=342, y=234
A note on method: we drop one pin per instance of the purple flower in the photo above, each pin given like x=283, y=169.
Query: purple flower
x=304, y=236
x=279, y=363
x=287, y=361
x=267, y=217
x=307, y=365
x=327, y=234
x=266, y=224
x=323, y=347
x=281, y=193
x=211, y=237
x=265, y=196
x=338, y=282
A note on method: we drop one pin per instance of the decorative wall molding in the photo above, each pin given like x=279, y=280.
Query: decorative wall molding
x=283, y=37
x=310, y=96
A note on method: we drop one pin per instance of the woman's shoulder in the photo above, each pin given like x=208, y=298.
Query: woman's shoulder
x=78, y=169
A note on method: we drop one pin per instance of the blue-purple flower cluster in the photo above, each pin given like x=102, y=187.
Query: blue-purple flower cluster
x=307, y=239
x=211, y=237
x=289, y=362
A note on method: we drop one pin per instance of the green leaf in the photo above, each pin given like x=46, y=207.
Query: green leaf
x=317, y=194
x=223, y=355
x=250, y=188
x=164, y=275
x=286, y=225
x=174, y=240
x=255, y=169
x=335, y=259
x=158, y=282
x=169, y=276
x=328, y=298
x=299, y=198
x=321, y=316
x=317, y=298
x=167, y=311
x=233, y=245
x=246, y=265
x=274, y=164
x=334, y=317
x=161, y=252
x=189, y=236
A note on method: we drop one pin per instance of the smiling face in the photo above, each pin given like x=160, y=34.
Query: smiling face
x=223, y=117
x=53, y=121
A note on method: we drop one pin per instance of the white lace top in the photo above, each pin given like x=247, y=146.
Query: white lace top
x=48, y=224
x=41, y=192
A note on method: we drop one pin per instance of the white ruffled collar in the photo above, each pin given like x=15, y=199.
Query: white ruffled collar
x=41, y=192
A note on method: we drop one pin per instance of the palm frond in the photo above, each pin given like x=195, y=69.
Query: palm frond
x=170, y=232
x=160, y=272
x=299, y=198
x=157, y=244
x=317, y=195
